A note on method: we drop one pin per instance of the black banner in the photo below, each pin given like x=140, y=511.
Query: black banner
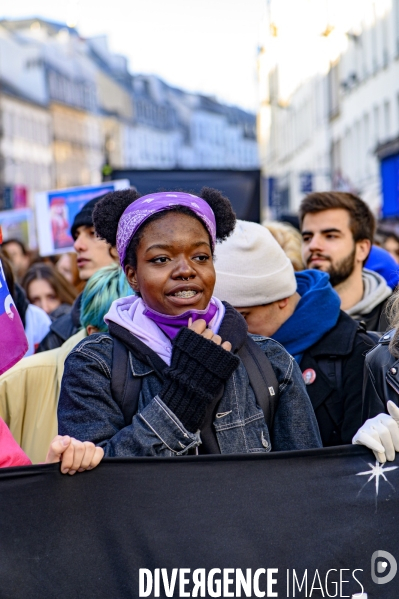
x=325, y=521
x=241, y=187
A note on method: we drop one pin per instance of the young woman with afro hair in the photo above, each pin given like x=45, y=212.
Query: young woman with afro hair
x=184, y=345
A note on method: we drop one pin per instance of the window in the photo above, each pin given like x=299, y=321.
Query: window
x=333, y=91
x=396, y=25
x=376, y=112
x=387, y=120
x=366, y=128
x=374, y=48
x=385, y=40
x=397, y=113
x=358, y=149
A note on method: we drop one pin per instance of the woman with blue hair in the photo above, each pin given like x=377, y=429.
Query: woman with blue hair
x=29, y=391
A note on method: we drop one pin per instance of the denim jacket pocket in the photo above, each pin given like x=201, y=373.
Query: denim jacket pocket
x=250, y=433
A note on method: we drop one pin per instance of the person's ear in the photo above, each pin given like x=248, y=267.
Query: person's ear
x=282, y=303
x=363, y=248
x=90, y=329
x=113, y=253
x=131, y=275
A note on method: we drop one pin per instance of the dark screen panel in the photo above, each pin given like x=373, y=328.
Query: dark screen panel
x=241, y=187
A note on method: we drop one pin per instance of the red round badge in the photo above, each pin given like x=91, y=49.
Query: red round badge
x=309, y=376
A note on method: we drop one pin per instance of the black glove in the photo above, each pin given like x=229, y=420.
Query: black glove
x=197, y=373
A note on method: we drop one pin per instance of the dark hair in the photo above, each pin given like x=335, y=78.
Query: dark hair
x=108, y=211
x=65, y=292
x=385, y=235
x=84, y=218
x=361, y=219
x=18, y=242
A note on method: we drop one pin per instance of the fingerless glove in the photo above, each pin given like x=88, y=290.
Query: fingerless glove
x=198, y=371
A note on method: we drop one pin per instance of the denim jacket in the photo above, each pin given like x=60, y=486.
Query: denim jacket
x=87, y=410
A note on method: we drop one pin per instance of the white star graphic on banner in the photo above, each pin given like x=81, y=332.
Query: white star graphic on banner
x=376, y=472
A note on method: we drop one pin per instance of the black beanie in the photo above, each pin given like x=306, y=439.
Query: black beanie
x=84, y=218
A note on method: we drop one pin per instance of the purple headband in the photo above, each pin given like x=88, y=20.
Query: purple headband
x=140, y=210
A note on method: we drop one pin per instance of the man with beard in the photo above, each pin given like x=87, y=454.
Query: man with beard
x=337, y=233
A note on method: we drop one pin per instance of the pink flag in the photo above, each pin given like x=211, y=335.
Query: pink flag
x=10, y=452
x=13, y=341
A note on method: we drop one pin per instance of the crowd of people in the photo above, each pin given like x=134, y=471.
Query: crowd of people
x=177, y=329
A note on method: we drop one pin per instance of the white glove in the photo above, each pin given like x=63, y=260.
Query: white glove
x=381, y=434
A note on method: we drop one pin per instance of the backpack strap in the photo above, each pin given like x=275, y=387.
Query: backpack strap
x=262, y=378
x=125, y=388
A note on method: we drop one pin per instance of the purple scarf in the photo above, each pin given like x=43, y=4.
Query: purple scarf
x=128, y=312
x=140, y=210
x=171, y=325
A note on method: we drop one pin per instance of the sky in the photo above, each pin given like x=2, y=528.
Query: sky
x=207, y=46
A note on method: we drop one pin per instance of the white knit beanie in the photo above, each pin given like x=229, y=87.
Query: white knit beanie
x=252, y=268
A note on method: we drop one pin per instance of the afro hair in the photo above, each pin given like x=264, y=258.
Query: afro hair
x=109, y=210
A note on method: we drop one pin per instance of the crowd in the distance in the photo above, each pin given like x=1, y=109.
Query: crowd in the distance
x=177, y=329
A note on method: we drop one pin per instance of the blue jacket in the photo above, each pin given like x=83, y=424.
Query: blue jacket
x=382, y=262
x=88, y=411
x=309, y=323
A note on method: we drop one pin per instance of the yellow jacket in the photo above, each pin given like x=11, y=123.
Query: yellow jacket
x=29, y=394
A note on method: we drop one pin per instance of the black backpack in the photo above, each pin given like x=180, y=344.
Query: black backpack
x=125, y=387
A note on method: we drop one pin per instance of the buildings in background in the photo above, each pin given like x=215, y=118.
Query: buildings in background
x=329, y=111
x=26, y=157
x=71, y=109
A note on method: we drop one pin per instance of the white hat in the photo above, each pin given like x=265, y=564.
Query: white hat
x=252, y=268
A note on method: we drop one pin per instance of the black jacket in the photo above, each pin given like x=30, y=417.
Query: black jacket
x=62, y=310
x=336, y=393
x=376, y=320
x=63, y=328
x=381, y=378
x=21, y=303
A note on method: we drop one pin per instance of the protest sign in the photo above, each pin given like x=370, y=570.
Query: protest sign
x=18, y=224
x=55, y=211
x=286, y=524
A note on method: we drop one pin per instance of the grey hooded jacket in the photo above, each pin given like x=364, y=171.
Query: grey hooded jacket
x=371, y=308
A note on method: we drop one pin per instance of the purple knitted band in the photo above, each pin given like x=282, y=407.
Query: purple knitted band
x=140, y=210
